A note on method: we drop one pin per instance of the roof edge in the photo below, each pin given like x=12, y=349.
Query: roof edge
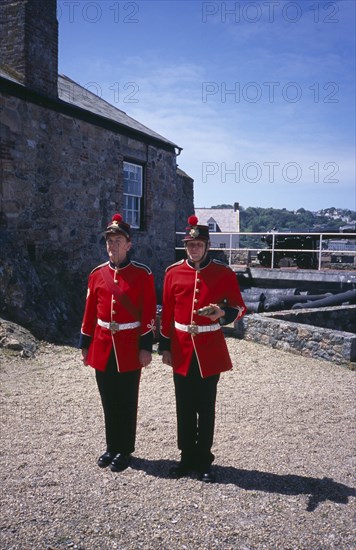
x=17, y=89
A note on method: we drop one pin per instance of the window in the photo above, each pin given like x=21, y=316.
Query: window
x=132, y=193
x=222, y=245
x=212, y=226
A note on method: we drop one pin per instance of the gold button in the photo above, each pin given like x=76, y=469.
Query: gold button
x=197, y=290
x=198, y=280
x=195, y=311
x=113, y=312
x=196, y=300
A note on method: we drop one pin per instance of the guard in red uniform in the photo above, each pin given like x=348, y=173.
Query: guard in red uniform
x=116, y=339
x=192, y=343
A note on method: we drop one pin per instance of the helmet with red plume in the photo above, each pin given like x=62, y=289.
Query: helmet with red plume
x=117, y=225
x=194, y=231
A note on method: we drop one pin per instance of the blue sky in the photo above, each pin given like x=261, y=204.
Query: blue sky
x=259, y=94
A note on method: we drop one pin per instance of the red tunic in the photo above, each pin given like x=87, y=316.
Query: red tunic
x=185, y=291
x=137, y=283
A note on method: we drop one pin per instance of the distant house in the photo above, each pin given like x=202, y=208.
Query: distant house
x=69, y=161
x=224, y=224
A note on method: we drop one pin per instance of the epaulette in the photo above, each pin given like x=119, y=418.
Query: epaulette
x=99, y=266
x=141, y=266
x=180, y=262
x=219, y=262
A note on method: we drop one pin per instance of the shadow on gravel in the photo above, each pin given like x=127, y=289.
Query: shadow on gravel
x=319, y=490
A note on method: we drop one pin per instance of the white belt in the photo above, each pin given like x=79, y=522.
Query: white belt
x=196, y=329
x=118, y=326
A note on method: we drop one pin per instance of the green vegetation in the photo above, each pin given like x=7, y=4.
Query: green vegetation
x=255, y=219
x=258, y=220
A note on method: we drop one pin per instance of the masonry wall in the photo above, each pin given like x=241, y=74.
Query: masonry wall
x=62, y=180
x=185, y=205
x=341, y=318
x=291, y=333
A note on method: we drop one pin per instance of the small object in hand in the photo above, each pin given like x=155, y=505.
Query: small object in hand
x=207, y=310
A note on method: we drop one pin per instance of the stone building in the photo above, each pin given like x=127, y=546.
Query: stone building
x=69, y=160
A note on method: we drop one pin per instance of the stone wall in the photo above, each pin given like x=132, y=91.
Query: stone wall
x=278, y=331
x=342, y=318
x=62, y=180
x=185, y=206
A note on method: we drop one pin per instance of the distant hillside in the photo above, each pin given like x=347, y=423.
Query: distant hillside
x=255, y=219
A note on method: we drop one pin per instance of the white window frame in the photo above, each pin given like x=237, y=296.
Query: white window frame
x=212, y=227
x=133, y=192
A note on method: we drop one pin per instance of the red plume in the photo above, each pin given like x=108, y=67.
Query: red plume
x=116, y=218
x=193, y=220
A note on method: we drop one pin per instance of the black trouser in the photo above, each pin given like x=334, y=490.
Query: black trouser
x=119, y=397
x=195, y=404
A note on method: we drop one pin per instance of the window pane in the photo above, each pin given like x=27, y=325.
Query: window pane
x=133, y=174
x=132, y=179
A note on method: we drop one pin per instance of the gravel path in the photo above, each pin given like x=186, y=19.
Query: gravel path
x=284, y=446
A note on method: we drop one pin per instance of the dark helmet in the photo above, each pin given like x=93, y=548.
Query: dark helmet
x=195, y=232
x=117, y=225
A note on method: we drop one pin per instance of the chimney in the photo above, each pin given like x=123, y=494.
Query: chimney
x=29, y=43
x=237, y=209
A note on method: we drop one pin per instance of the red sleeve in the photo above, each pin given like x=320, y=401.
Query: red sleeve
x=168, y=304
x=233, y=294
x=149, y=304
x=90, y=312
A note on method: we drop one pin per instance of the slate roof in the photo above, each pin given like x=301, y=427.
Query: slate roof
x=225, y=218
x=71, y=93
x=8, y=76
x=181, y=172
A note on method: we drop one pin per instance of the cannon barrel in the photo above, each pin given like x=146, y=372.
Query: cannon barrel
x=254, y=307
x=334, y=300
x=290, y=300
x=281, y=302
x=253, y=297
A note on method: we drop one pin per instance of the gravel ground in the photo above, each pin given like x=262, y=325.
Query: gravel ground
x=284, y=447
